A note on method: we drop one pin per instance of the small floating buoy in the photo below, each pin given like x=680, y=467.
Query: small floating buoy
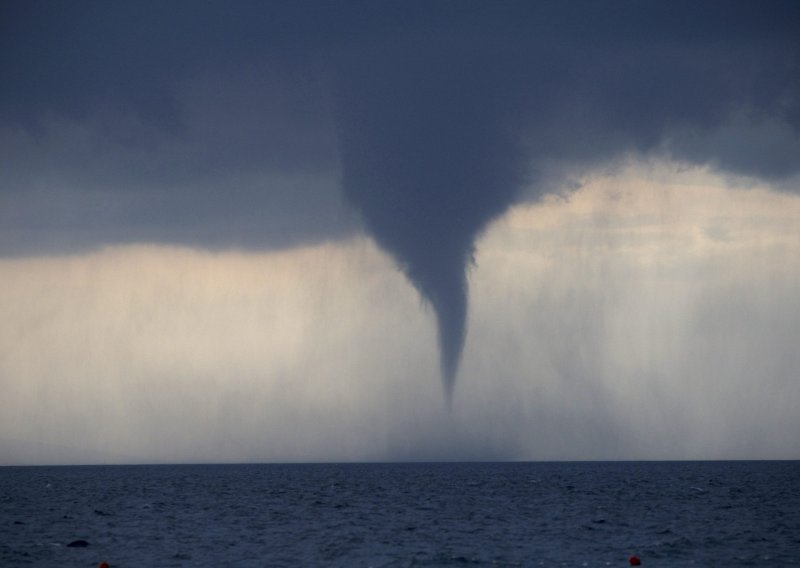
x=635, y=561
x=103, y=564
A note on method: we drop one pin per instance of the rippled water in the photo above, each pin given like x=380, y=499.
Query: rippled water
x=515, y=514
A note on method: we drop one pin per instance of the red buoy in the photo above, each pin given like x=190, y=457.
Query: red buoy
x=635, y=561
x=103, y=564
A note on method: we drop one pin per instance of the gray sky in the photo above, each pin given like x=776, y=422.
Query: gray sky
x=267, y=231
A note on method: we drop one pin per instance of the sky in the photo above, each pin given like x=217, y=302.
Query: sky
x=377, y=231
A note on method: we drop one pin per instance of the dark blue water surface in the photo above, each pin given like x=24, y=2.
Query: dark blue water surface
x=502, y=514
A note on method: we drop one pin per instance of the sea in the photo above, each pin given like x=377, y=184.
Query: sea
x=403, y=514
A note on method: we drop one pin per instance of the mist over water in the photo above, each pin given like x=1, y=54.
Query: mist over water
x=626, y=322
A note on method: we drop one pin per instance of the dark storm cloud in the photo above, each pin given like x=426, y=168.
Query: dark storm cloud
x=221, y=123
x=441, y=127
x=180, y=122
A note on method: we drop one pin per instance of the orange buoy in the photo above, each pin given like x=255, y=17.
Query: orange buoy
x=635, y=561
